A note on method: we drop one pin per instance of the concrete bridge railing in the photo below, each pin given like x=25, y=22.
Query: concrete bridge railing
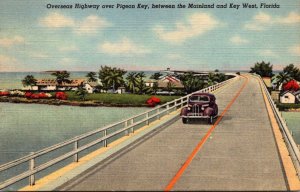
x=93, y=138
x=287, y=136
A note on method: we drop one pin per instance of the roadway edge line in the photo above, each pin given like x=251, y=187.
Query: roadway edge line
x=203, y=140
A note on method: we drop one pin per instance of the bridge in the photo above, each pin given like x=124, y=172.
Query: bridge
x=247, y=148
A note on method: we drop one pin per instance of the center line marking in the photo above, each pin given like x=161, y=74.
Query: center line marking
x=203, y=140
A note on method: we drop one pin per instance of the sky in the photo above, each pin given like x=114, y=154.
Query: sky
x=36, y=38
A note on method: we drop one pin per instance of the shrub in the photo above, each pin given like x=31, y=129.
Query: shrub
x=61, y=96
x=35, y=96
x=153, y=101
x=4, y=93
x=28, y=94
x=287, y=106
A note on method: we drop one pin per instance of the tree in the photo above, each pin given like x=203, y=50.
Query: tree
x=190, y=82
x=281, y=78
x=263, y=69
x=219, y=77
x=292, y=71
x=132, y=81
x=81, y=92
x=156, y=76
x=62, y=77
x=212, y=79
x=111, y=77
x=29, y=80
x=91, y=77
x=141, y=86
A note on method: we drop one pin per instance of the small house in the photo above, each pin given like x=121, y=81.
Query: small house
x=176, y=83
x=121, y=90
x=150, y=82
x=290, y=97
x=91, y=87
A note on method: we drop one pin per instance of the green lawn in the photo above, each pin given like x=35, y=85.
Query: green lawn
x=109, y=98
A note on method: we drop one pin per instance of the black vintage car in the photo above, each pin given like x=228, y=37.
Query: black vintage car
x=200, y=105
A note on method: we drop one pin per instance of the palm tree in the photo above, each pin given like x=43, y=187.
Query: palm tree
x=281, y=78
x=212, y=79
x=113, y=78
x=191, y=83
x=132, y=81
x=29, y=80
x=140, y=82
x=81, y=92
x=219, y=77
x=293, y=71
x=91, y=77
x=62, y=77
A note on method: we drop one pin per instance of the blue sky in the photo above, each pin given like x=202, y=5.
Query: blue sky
x=34, y=38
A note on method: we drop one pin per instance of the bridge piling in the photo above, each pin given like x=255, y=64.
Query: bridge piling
x=31, y=168
x=105, y=140
x=131, y=122
x=76, y=154
x=126, y=125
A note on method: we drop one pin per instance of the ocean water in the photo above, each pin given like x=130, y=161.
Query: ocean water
x=26, y=128
x=13, y=80
x=293, y=123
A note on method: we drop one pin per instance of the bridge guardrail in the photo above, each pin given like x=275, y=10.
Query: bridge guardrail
x=128, y=126
x=287, y=136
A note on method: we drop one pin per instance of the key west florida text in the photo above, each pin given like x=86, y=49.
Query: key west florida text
x=149, y=95
x=162, y=6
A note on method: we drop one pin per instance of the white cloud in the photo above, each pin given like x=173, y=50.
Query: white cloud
x=290, y=19
x=259, y=22
x=197, y=24
x=238, y=40
x=8, y=63
x=91, y=24
x=125, y=46
x=267, y=53
x=8, y=42
x=295, y=50
x=68, y=48
x=56, y=20
x=262, y=20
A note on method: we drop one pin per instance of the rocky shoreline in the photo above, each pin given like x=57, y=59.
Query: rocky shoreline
x=58, y=102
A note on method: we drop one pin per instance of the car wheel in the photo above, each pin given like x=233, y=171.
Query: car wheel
x=184, y=120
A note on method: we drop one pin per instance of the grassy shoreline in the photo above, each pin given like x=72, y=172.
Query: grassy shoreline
x=93, y=100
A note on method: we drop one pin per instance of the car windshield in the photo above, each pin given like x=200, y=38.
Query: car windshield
x=199, y=98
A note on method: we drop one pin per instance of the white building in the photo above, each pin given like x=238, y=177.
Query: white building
x=52, y=85
x=290, y=97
